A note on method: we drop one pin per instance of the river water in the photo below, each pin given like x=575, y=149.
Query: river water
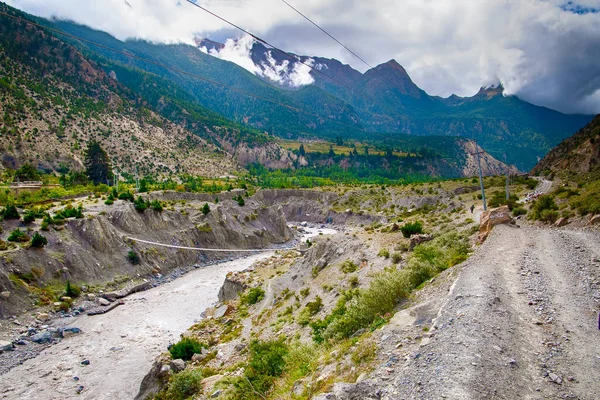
x=122, y=344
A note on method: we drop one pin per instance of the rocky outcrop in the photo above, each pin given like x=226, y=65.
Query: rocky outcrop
x=491, y=218
x=231, y=288
x=155, y=379
x=577, y=154
x=489, y=165
x=416, y=240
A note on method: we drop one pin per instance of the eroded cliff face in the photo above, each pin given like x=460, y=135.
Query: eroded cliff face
x=94, y=250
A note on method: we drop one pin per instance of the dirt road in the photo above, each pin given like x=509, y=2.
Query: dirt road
x=520, y=322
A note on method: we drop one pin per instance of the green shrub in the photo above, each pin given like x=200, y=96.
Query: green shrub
x=549, y=216
x=396, y=258
x=70, y=212
x=186, y=348
x=544, y=209
x=411, y=228
x=499, y=198
x=38, y=241
x=240, y=201
x=348, y=267
x=519, y=211
x=253, y=296
x=133, y=257
x=71, y=290
x=205, y=209
x=385, y=253
x=184, y=384
x=127, y=196
x=29, y=217
x=156, y=205
x=267, y=361
x=18, y=236
x=314, y=306
x=110, y=200
x=140, y=204
x=11, y=212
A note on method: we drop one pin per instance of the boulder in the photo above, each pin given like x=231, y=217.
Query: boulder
x=177, y=365
x=595, y=219
x=416, y=240
x=5, y=295
x=43, y=316
x=103, y=302
x=42, y=337
x=231, y=288
x=561, y=222
x=5, y=346
x=222, y=311
x=491, y=218
x=68, y=331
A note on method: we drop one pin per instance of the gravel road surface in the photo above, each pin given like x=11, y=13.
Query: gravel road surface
x=519, y=322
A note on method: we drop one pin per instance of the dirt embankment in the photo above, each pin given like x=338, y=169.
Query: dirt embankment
x=94, y=251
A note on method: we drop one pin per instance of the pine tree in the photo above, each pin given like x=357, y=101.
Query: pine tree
x=301, y=150
x=97, y=164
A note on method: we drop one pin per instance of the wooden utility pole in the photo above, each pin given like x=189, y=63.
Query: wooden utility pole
x=507, y=179
x=478, y=152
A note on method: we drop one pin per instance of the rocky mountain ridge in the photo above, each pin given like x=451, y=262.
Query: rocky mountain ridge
x=578, y=154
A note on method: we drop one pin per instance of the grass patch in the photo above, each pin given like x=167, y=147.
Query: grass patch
x=359, y=309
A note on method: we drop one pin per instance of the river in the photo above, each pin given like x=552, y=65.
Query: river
x=122, y=344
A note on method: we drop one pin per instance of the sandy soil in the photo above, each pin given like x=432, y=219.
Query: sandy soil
x=121, y=345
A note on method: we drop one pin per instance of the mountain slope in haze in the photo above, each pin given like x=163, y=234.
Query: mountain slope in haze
x=388, y=101
x=578, y=154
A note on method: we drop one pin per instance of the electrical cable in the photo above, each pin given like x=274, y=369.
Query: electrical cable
x=181, y=71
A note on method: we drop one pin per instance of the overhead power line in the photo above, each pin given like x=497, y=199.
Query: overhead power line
x=337, y=41
x=296, y=58
x=180, y=71
x=293, y=57
x=327, y=33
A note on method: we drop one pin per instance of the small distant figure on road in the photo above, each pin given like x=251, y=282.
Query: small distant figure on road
x=472, y=208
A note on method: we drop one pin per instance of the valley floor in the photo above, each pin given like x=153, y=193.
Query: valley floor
x=519, y=322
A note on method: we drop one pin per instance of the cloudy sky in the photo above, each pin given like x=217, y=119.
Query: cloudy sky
x=544, y=51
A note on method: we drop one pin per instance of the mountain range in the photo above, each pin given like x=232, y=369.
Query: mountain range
x=387, y=101
x=190, y=90
x=383, y=102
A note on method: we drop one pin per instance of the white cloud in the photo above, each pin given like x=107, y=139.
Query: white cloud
x=545, y=51
x=238, y=51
